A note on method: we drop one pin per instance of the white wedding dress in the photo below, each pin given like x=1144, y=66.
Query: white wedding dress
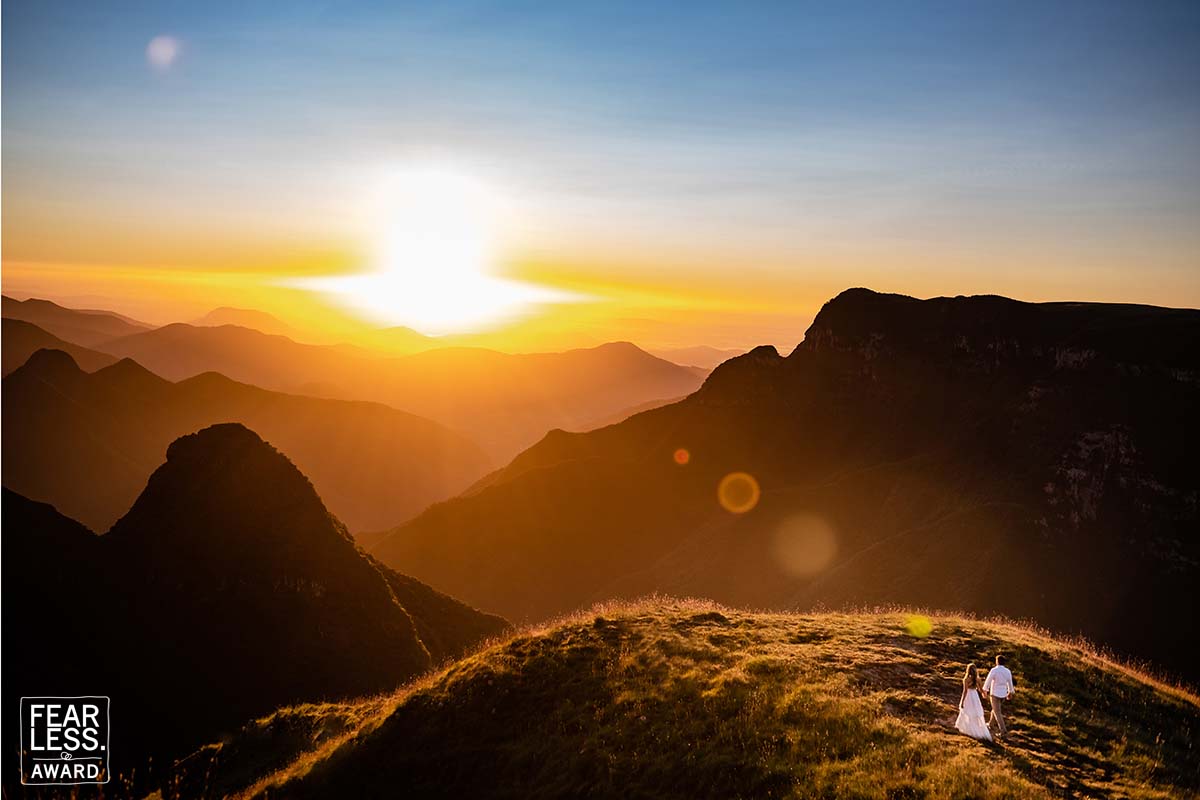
x=970, y=717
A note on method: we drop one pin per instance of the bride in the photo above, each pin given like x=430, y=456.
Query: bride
x=970, y=708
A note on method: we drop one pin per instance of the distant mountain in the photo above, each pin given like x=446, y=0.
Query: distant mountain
x=247, y=318
x=179, y=351
x=364, y=341
x=23, y=339
x=227, y=590
x=398, y=340
x=88, y=442
x=1036, y=460
x=701, y=356
x=79, y=326
x=505, y=402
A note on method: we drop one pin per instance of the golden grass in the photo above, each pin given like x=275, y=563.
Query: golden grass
x=686, y=698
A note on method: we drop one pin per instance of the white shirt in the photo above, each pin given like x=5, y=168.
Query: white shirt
x=999, y=682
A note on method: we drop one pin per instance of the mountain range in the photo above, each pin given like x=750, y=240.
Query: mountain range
x=22, y=339
x=87, y=442
x=226, y=591
x=248, y=318
x=978, y=453
x=504, y=402
x=85, y=327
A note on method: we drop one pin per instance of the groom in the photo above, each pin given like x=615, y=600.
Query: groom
x=999, y=687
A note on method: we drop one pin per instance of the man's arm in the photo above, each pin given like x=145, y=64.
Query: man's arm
x=991, y=678
x=1012, y=687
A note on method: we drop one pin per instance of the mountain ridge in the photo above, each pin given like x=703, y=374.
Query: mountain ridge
x=229, y=588
x=85, y=327
x=1050, y=440
x=502, y=401
x=89, y=441
x=23, y=339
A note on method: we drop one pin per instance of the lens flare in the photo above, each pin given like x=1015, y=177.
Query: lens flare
x=162, y=52
x=682, y=456
x=804, y=545
x=738, y=492
x=918, y=625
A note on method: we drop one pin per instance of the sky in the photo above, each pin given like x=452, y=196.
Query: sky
x=675, y=173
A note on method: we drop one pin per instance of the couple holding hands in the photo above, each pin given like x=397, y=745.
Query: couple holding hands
x=998, y=686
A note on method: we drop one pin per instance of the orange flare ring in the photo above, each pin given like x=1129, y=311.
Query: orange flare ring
x=738, y=492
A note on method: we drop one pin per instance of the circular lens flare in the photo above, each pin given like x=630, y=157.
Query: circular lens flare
x=803, y=545
x=682, y=456
x=738, y=492
x=162, y=51
x=918, y=625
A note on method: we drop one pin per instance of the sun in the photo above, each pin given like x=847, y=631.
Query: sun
x=436, y=256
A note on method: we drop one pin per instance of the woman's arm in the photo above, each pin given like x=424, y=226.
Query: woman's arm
x=962, y=700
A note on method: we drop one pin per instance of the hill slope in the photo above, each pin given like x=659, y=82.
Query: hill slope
x=227, y=590
x=88, y=442
x=80, y=326
x=23, y=339
x=687, y=699
x=1034, y=460
x=504, y=402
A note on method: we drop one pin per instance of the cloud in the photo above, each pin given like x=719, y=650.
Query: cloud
x=162, y=52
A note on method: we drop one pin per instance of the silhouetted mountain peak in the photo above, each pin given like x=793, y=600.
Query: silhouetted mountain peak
x=211, y=379
x=226, y=483
x=22, y=339
x=228, y=587
x=32, y=302
x=86, y=327
x=735, y=380
x=852, y=314
x=858, y=315
x=983, y=332
x=242, y=318
x=48, y=364
x=228, y=438
x=1059, y=431
x=228, y=516
x=128, y=372
x=619, y=347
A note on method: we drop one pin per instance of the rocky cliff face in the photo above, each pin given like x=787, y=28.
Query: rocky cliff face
x=972, y=452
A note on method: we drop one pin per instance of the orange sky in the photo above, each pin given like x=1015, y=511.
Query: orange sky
x=672, y=179
x=637, y=302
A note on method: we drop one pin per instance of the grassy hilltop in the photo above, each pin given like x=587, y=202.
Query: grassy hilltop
x=687, y=699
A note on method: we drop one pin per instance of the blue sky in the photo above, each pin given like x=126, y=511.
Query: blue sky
x=988, y=146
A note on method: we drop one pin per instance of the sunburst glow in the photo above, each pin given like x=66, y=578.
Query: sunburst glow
x=434, y=271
